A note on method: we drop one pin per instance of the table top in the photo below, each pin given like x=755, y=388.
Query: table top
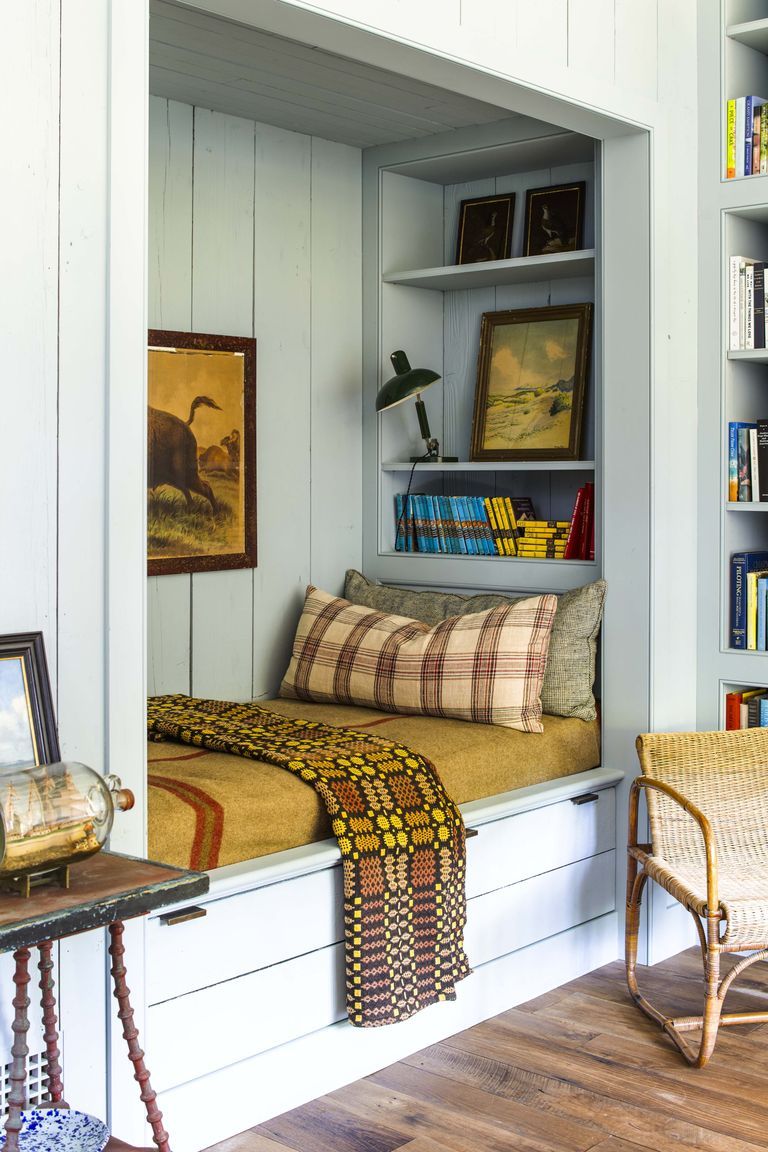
x=104, y=888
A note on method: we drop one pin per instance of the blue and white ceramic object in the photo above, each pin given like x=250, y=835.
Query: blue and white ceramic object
x=59, y=1130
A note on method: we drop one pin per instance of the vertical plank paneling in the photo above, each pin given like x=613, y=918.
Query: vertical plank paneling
x=493, y=18
x=542, y=31
x=591, y=38
x=222, y=302
x=29, y=82
x=637, y=46
x=336, y=459
x=170, y=306
x=282, y=325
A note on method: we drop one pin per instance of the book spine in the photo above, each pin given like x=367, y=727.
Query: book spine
x=491, y=514
x=759, y=304
x=461, y=543
x=748, y=111
x=740, y=109
x=399, y=522
x=589, y=491
x=749, y=299
x=733, y=303
x=762, y=461
x=573, y=535
x=745, y=476
x=730, y=140
x=733, y=461
x=477, y=525
x=465, y=526
x=753, y=710
x=762, y=595
x=449, y=525
x=754, y=463
x=751, y=611
x=738, y=601
x=763, y=138
x=484, y=527
x=756, y=140
x=514, y=530
x=437, y=521
x=732, y=711
x=503, y=523
x=763, y=717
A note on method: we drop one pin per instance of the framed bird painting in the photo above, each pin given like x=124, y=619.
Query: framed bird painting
x=554, y=219
x=201, y=452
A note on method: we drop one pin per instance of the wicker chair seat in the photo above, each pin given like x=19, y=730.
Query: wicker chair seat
x=742, y=888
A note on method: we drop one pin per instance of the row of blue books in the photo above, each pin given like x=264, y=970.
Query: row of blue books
x=457, y=525
x=749, y=601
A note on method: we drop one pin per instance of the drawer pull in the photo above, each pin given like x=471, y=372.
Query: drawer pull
x=182, y=916
x=587, y=798
x=470, y=832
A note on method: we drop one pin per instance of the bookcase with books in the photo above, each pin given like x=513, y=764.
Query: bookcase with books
x=527, y=524
x=733, y=413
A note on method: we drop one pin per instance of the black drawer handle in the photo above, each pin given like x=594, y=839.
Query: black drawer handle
x=587, y=798
x=470, y=832
x=182, y=916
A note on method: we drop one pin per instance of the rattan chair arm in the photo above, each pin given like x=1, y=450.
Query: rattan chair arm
x=710, y=844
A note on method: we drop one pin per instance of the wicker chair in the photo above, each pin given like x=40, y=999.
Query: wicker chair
x=707, y=797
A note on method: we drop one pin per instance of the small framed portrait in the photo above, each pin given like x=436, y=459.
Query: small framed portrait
x=485, y=228
x=554, y=219
x=201, y=452
x=28, y=735
x=531, y=382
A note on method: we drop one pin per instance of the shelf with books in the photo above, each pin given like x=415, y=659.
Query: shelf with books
x=497, y=273
x=743, y=706
x=746, y=506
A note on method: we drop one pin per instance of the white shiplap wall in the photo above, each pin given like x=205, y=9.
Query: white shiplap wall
x=255, y=230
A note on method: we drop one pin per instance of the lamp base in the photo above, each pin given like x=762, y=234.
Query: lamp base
x=434, y=459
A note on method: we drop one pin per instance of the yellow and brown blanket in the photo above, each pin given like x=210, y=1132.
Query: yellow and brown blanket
x=401, y=837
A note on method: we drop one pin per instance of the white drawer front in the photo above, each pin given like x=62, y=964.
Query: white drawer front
x=244, y=932
x=193, y=1035
x=509, y=850
x=510, y=918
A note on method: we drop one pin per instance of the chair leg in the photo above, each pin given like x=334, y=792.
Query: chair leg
x=709, y=1022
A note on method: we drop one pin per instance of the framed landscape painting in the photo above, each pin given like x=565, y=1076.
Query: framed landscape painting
x=201, y=452
x=28, y=735
x=531, y=383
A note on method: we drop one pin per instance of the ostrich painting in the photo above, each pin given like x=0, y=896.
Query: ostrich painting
x=172, y=452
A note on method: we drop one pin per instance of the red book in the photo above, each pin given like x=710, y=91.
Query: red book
x=732, y=711
x=571, y=544
x=587, y=509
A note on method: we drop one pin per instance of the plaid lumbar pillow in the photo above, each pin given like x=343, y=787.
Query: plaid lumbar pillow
x=570, y=674
x=486, y=667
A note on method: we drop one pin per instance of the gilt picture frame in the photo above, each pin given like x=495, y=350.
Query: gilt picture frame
x=554, y=219
x=201, y=452
x=28, y=736
x=485, y=228
x=532, y=372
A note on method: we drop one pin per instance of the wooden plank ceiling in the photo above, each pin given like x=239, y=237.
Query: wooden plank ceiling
x=217, y=64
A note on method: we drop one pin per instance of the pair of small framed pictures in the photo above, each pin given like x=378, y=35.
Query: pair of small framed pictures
x=554, y=222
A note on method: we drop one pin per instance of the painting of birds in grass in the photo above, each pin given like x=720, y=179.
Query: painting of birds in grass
x=197, y=507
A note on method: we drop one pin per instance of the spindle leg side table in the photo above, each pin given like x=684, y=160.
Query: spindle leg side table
x=105, y=890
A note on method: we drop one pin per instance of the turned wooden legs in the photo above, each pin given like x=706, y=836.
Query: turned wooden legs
x=19, y=1051
x=131, y=1036
x=55, y=1087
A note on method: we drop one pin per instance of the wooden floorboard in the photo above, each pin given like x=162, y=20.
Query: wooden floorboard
x=579, y=1069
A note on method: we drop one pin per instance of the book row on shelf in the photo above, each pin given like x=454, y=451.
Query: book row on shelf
x=749, y=601
x=746, y=137
x=746, y=303
x=493, y=526
x=746, y=708
x=748, y=460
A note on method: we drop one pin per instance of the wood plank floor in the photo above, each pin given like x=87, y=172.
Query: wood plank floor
x=577, y=1069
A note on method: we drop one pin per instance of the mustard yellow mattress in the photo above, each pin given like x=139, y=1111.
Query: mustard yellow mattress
x=208, y=809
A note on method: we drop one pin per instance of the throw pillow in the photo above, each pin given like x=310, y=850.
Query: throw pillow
x=570, y=672
x=485, y=666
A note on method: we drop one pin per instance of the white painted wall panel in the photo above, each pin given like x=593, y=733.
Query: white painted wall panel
x=336, y=416
x=271, y=246
x=591, y=36
x=222, y=303
x=637, y=46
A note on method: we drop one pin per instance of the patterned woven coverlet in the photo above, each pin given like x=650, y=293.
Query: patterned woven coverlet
x=402, y=842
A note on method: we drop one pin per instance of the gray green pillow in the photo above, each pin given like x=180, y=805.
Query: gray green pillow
x=570, y=673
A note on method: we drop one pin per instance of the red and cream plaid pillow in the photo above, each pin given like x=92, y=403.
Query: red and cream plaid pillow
x=486, y=667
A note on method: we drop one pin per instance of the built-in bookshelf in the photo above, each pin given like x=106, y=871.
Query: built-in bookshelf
x=733, y=377
x=432, y=307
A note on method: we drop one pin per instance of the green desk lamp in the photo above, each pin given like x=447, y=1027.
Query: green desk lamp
x=412, y=382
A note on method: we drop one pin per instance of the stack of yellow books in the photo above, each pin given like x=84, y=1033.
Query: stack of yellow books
x=543, y=539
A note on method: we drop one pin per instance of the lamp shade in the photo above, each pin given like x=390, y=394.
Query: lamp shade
x=407, y=382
